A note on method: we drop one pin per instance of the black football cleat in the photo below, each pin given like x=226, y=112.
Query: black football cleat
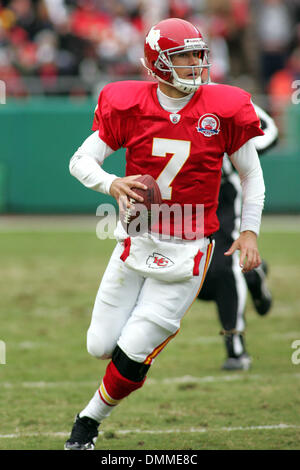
x=242, y=362
x=257, y=285
x=234, y=361
x=83, y=435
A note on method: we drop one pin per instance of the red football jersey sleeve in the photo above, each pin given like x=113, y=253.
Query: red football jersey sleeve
x=108, y=121
x=244, y=125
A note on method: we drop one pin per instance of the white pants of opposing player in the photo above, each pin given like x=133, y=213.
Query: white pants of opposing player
x=140, y=314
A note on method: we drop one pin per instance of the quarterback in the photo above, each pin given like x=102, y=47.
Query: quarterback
x=176, y=129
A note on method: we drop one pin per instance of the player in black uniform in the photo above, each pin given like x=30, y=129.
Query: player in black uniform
x=225, y=283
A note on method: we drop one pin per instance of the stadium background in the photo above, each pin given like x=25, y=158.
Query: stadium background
x=55, y=56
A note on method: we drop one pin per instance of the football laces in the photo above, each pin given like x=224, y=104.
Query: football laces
x=127, y=215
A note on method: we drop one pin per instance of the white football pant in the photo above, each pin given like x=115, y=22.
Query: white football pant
x=140, y=314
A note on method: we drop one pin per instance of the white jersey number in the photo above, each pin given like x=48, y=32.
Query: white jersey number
x=180, y=150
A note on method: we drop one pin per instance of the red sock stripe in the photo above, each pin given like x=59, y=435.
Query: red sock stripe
x=117, y=386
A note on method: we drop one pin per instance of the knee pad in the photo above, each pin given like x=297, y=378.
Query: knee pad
x=131, y=370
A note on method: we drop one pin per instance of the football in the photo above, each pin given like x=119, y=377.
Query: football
x=140, y=217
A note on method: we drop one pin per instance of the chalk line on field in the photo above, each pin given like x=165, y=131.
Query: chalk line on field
x=185, y=379
x=192, y=430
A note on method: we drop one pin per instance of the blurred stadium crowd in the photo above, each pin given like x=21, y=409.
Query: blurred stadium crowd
x=68, y=47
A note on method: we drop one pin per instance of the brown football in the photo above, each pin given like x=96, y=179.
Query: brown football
x=142, y=215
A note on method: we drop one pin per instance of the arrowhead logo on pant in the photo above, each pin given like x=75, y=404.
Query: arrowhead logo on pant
x=158, y=260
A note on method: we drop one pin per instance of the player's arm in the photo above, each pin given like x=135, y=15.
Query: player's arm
x=85, y=165
x=246, y=162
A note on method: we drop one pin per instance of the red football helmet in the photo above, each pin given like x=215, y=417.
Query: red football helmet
x=169, y=37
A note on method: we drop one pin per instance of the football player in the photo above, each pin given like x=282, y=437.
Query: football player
x=225, y=283
x=177, y=130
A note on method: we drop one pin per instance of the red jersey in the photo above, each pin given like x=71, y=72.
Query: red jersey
x=182, y=151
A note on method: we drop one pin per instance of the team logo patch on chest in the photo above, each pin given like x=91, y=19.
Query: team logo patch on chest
x=208, y=125
x=175, y=118
x=158, y=261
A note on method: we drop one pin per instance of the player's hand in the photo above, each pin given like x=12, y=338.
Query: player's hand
x=121, y=190
x=249, y=254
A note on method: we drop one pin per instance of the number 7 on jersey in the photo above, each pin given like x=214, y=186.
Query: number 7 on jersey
x=180, y=150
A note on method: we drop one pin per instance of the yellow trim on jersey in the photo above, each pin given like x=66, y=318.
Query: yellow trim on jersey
x=158, y=349
x=207, y=262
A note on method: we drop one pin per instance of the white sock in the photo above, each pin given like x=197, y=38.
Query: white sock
x=96, y=409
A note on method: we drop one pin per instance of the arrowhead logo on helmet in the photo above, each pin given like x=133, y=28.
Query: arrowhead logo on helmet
x=152, y=38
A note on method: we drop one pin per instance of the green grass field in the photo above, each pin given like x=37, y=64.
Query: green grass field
x=48, y=284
